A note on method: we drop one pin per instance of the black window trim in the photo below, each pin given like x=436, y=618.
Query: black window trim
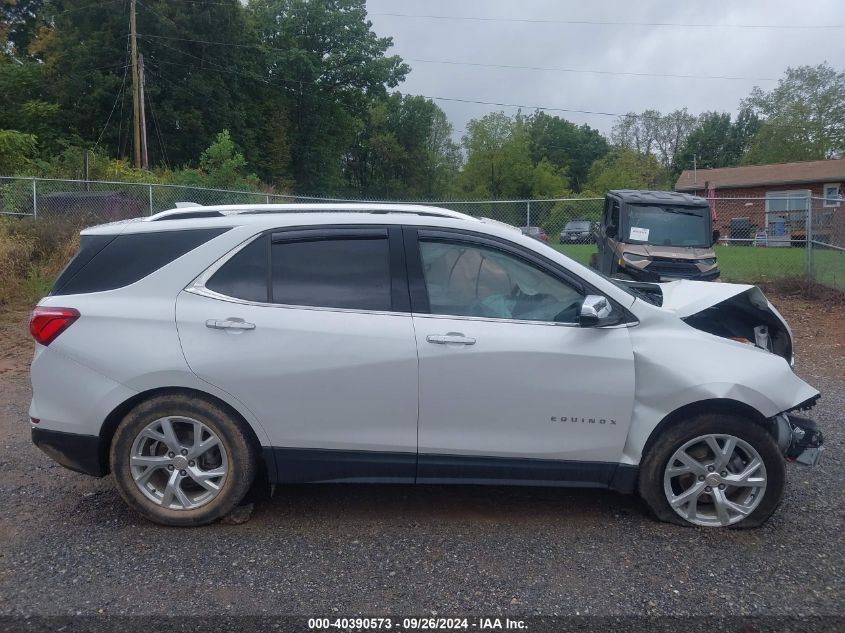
x=399, y=295
x=419, y=292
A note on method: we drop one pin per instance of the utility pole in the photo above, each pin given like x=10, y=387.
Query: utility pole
x=136, y=106
x=145, y=162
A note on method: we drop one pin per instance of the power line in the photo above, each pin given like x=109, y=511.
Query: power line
x=536, y=107
x=483, y=65
x=582, y=70
x=158, y=133
x=611, y=22
x=75, y=9
x=116, y=99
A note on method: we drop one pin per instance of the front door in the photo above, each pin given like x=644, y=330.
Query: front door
x=511, y=388
x=309, y=330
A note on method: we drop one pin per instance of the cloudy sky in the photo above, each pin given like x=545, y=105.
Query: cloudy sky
x=543, y=40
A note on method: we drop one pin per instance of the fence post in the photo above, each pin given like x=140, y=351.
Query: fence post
x=151, y=199
x=527, y=213
x=267, y=199
x=34, y=201
x=808, y=233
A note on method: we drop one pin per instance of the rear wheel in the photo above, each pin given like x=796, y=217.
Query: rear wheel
x=179, y=460
x=714, y=471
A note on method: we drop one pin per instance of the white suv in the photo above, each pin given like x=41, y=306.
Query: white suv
x=194, y=351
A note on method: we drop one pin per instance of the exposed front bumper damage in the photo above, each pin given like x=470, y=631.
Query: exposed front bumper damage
x=799, y=439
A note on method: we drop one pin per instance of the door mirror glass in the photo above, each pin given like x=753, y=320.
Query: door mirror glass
x=594, y=310
x=610, y=231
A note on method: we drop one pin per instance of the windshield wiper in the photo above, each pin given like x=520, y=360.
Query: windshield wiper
x=682, y=212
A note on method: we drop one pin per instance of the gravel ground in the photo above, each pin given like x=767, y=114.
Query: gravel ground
x=68, y=545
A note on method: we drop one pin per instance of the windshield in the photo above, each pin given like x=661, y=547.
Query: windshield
x=577, y=226
x=667, y=226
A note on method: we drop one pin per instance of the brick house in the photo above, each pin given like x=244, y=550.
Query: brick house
x=774, y=198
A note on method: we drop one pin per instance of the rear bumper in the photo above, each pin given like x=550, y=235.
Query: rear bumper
x=82, y=453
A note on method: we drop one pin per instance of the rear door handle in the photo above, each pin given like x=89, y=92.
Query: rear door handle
x=229, y=324
x=452, y=338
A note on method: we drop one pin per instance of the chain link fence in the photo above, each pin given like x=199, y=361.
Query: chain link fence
x=762, y=239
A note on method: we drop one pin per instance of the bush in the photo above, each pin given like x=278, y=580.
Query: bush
x=32, y=254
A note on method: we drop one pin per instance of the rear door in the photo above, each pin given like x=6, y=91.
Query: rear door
x=311, y=330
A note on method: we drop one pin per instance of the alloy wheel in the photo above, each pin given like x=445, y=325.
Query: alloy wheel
x=715, y=480
x=178, y=463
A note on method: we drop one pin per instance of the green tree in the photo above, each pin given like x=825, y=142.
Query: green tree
x=651, y=132
x=403, y=150
x=17, y=151
x=627, y=169
x=332, y=66
x=193, y=88
x=803, y=117
x=569, y=147
x=718, y=141
x=19, y=24
x=222, y=166
x=498, y=161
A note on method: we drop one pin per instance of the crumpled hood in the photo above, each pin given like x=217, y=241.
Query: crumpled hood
x=686, y=297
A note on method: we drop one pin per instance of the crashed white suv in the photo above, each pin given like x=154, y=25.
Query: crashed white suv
x=199, y=350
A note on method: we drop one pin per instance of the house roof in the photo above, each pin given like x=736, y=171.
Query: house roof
x=760, y=175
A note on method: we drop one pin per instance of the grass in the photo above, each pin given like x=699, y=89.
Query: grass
x=755, y=264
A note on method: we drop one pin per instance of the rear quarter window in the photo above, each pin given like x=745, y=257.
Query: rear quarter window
x=107, y=263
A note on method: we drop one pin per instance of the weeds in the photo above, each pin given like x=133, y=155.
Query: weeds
x=32, y=253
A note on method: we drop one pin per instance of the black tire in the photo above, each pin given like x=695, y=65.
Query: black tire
x=241, y=451
x=655, y=461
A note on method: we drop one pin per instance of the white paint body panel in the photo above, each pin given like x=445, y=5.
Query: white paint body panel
x=524, y=390
x=351, y=380
x=335, y=379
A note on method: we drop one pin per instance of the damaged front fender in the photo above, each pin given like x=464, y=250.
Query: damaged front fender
x=677, y=365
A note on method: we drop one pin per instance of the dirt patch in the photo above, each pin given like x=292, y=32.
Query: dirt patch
x=816, y=318
x=16, y=347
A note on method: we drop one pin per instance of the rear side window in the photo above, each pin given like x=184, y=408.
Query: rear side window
x=106, y=264
x=244, y=276
x=347, y=271
x=332, y=273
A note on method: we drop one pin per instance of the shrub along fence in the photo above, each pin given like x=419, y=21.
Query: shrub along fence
x=762, y=239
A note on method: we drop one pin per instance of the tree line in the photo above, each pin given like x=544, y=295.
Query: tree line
x=302, y=96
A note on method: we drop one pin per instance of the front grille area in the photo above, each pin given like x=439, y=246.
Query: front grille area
x=666, y=267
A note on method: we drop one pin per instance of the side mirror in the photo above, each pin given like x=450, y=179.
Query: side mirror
x=716, y=236
x=594, y=310
x=610, y=231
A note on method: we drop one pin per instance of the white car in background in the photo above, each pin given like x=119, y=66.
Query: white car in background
x=190, y=351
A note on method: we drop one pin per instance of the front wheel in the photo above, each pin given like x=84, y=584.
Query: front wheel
x=182, y=460
x=713, y=471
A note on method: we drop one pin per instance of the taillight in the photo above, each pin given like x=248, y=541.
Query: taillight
x=46, y=323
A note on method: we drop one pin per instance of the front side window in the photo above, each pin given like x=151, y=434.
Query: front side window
x=468, y=280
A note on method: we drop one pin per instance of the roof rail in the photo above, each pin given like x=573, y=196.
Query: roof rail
x=183, y=213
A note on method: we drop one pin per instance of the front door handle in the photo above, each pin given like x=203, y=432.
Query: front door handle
x=229, y=324
x=452, y=338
